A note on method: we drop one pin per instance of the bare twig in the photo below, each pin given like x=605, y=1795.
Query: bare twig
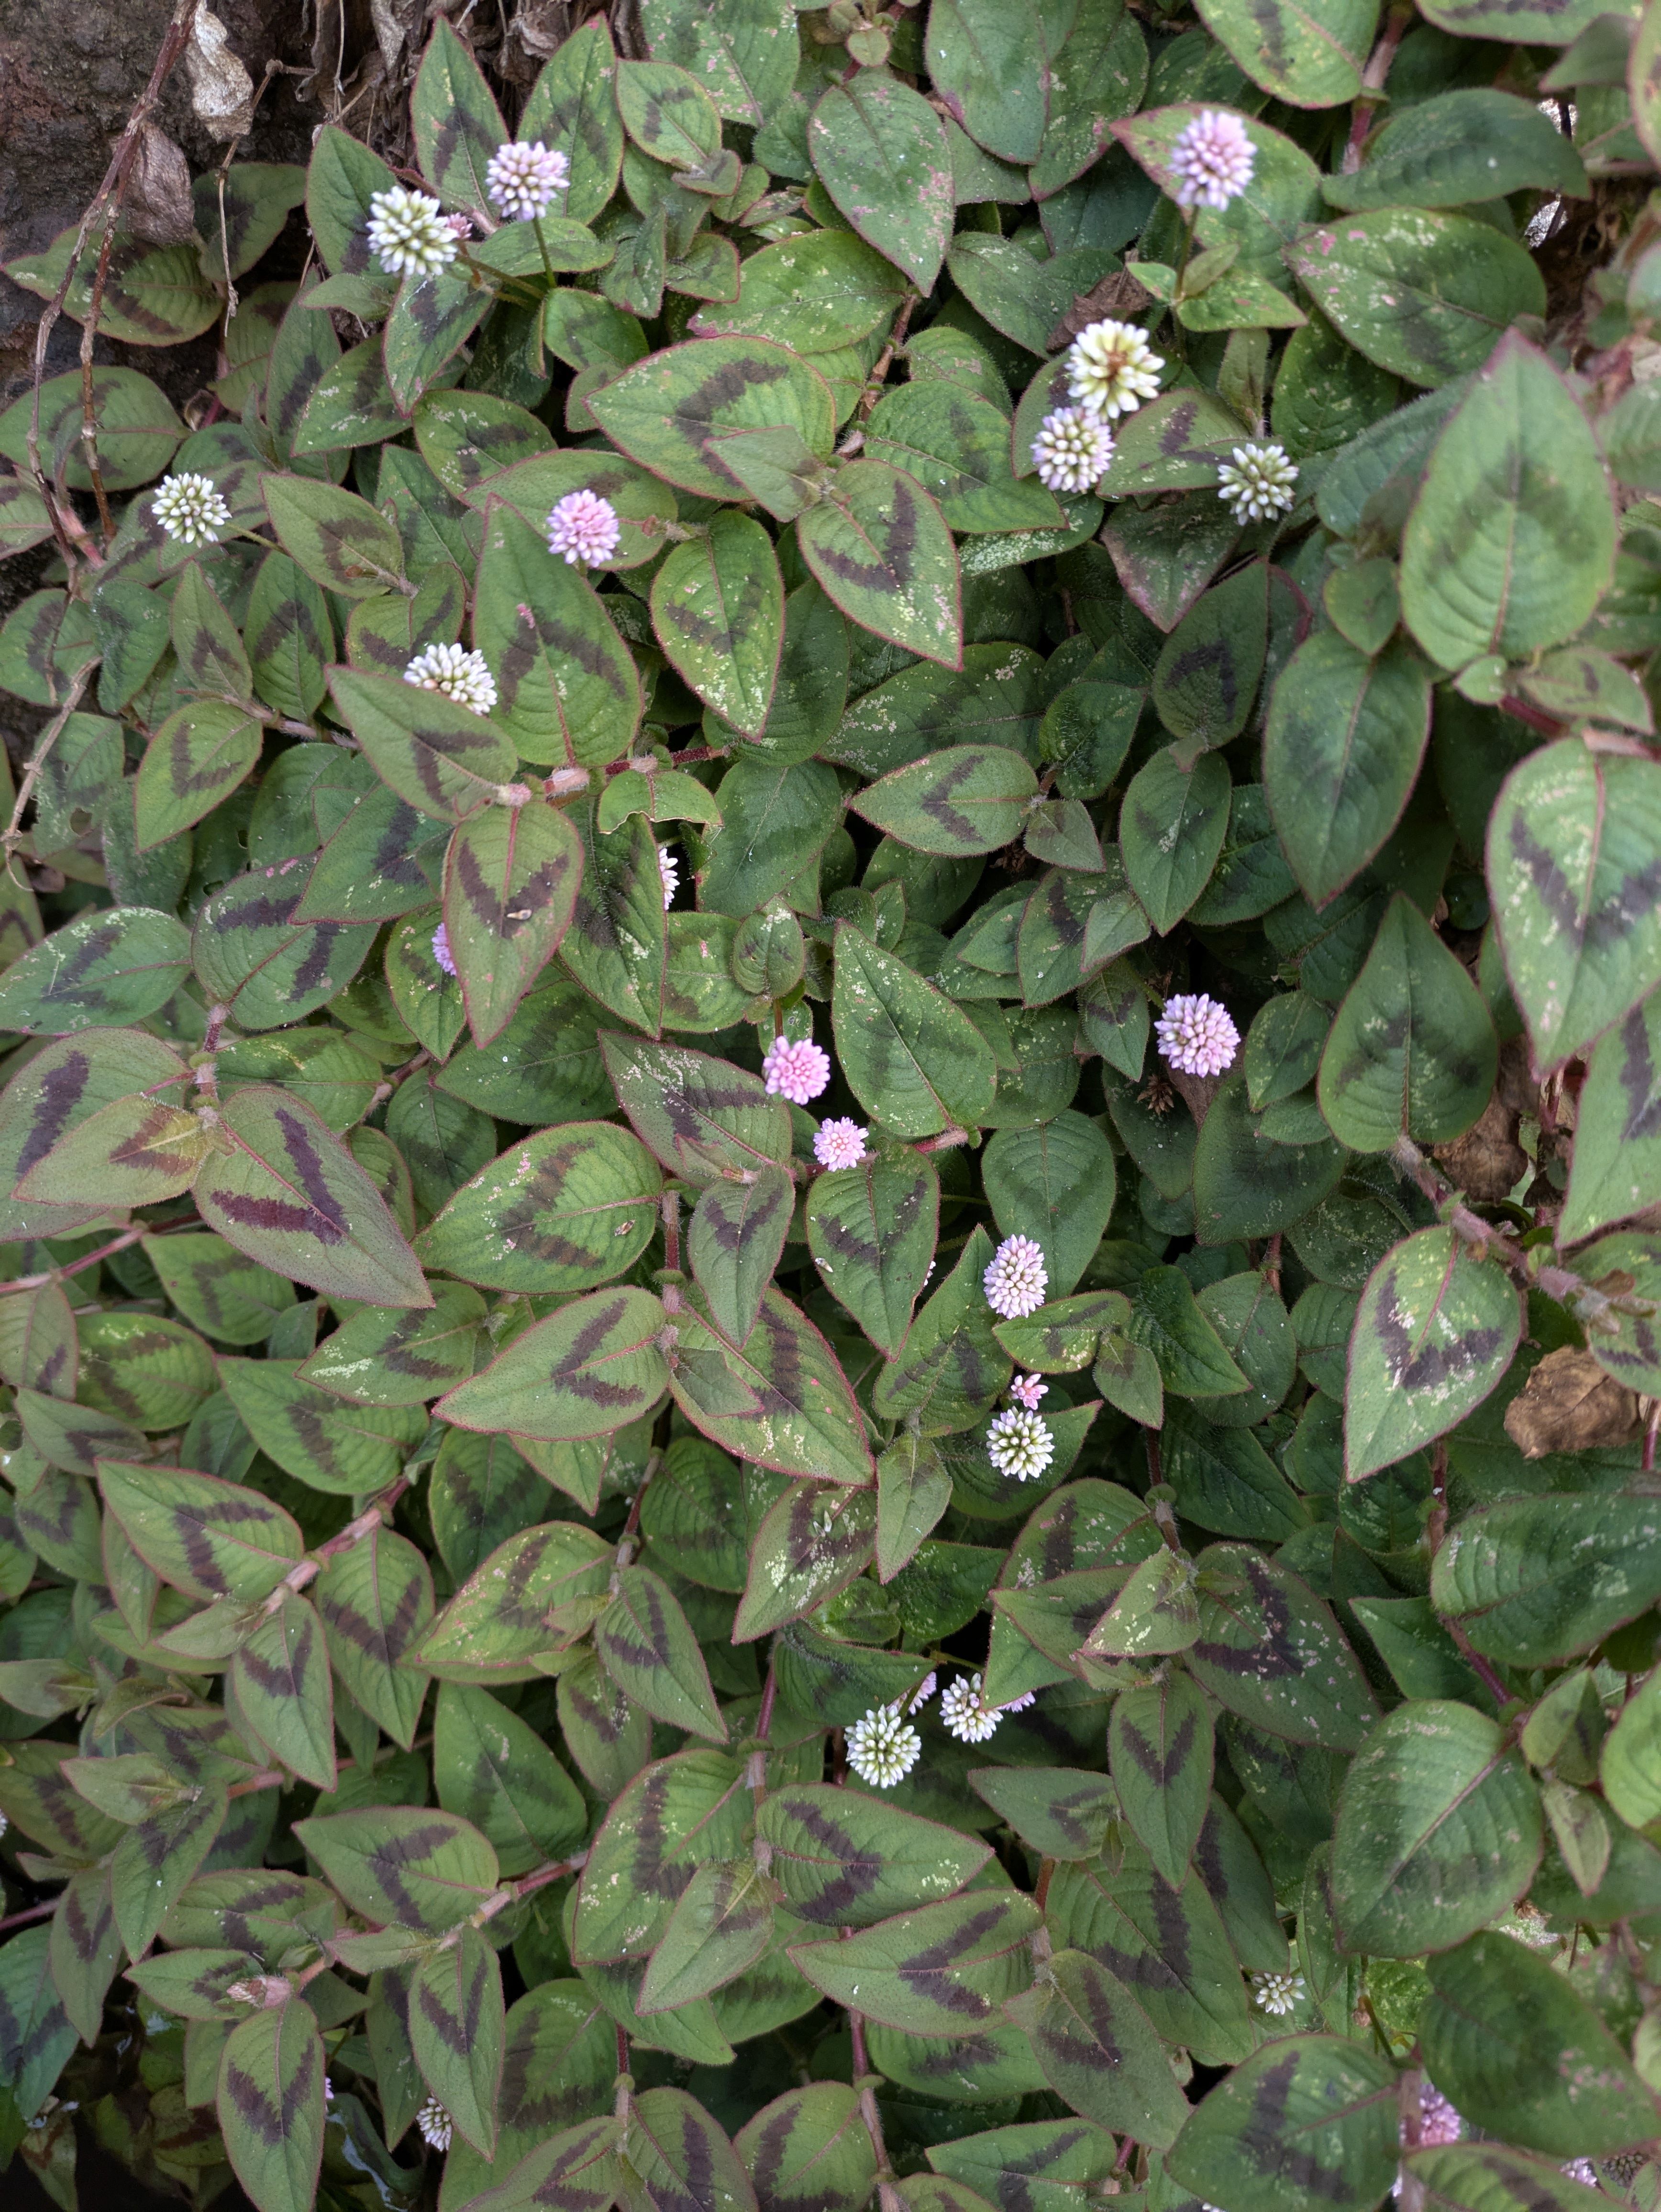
x=74, y=1267
x=44, y=744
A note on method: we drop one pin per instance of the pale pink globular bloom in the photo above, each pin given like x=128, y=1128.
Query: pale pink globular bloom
x=1028, y=1389
x=583, y=528
x=795, y=1071
x=839, y=1144
x=461, y=224
x=1021, y=1705
x=523, y=180
x=1212, y=161
x=1439, y=2123
x=1072, y=449
x=923, y=1692
x=668, y=875
x=1196, y=1035
x=441, y=953
x=1016, y=1279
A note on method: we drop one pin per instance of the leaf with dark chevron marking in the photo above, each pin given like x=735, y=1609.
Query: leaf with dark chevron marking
x=846, y=1860
x=272, y=2107
x=646, y=1645
x=401, y=1865
x=456, y=2032
x=511, y=879
x=1433, y=1335
x=565, y=1210
x=734, y=1241
x=879, y=544
x=375, y=1601
x=440, y=758
x=1098, y=2050
x=942, y=1970
x=278, y=1688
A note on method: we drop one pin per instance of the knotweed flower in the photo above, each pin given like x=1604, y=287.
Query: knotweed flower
x=1072, y=449
x=1016, y=1279
x=1196, y=1035
x=190, y=509
x=1279, y=1994
x=1112, y=368
x=839, y=1144
x=965, y=1712
x=584, y=529
x=441, y=953
x=462, y=225
x=435, y=2125
x=1582, y=2170
x=459, y=674
x=1028, y=1389
x=408, y=234
x=668, y=875
x=923, y=1692
x=795, y=1071
x=1257, y=482
x=1212, y=161
x=1020, y=1444
x=522, y=181
x=1438, y=2121
x=882, y=1749
x=1021, y=1705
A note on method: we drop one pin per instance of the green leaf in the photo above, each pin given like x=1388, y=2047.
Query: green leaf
x=618, y=947
x=572, y=105
x=199, y=1532
x=646, y=1645
x=511, y=877
x=152, y=295
x=1159, y=1748
x=1457, y=148
x=1048, y=2165
x=779, y=1399
x=1425, y=294
x=880, y=547
x=1270, y=1651
x=1439, y=1831
x=679, y=2154
x=1171, y=829
x=137, y=429
x=1098, y=2050
x=990, y=65
x=278, y=1686
x=957, y=447
x=339, y=540
x=1433, y=1335
x=1248, y=1184
x=456, y=122
x=815, y=292
x=565, y=1210
x=155, y=1859
x=1308, y=2124
x=882, y=154
x=937, y=1970
x=733, y=1240
x=135, y=1153
x=718, y=610
x=271, y=2104
x=706, y=1121
x=1342, y=748
x=397, y=1864
x=495, y=1771
x=845, y=1860
x=197, y=756
x=810, y=2150
x=673, y=411
x=375, y=1601
x=678, y=1814
x=496, y=1622
x=1099, y=75
x=1309, y=57
x=1536, y=1580
x=775, y=817
x=1207, y=676
x=585, y=1372
x=973, y=799
x=98, y=971
x=1192, y=1358
x=951, y=1368
x=431, y=320
x=912, y=1058
x=1473, y=2177
x=871, y=1230
x=1522, y=2052
x=457, y=2034
x=1056, y=1184
x=810, y=1543
x=1412, y=1048
x=722, y=1923
x=290, y=637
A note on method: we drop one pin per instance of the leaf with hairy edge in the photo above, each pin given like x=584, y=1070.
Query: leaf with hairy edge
x=437, y=756
x=338, y=540
x=278, y=1686
x=456, y=2033
x=844, y=1860
x=135, y=1152
x=1159, y=1748
x=572, y=105
x=375, y=1601
x=780, y=1399
x=197, y=757
x=810, y=2150
x=706, y=1121
x=671, y=412
x=1536, y=1580
x=579, y=2169
x=1061, y=1812
x=883, y=155
x=431, y=319
x=1573, y=873
x=941, y=1970
x=1481, y=2176
x=811, y=1544
x=104, y=967
x=951, y=1368
x=1038, y=2166
x=880, y=547
x=252, y=957
x=566, y=1210
x=872, y=1231
x=733, y=1240
x=646, y=1645
x=293, y=1198
x=912, y=1057
x=41, y=2038
x=493, y=1769
x=1439, y=1831
x=271, y=2104
x=1616, y=1159
x=718, y=610
x=585, y=1370
x=1056, y=1183
x=1309, y=57
x=680, y=1813
x=1309, y=2124
x=722, y=1922
x=320, y=1439
x=85, y=1948
x=456, y=122
x=618, y=947
x=682, y=2158
x=1433, y=1335
x=511, y=877
x=401, y=1357
x=493, y=1628
x=1098, y=2050
x=156, y=1859
x=972, y=798
x=209, y=1538
x=1270, y=1651
x=397, y=1864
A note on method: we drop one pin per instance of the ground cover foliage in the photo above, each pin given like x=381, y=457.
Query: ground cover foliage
x=830, y=1121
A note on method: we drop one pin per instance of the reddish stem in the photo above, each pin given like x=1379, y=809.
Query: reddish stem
x=35, y=1912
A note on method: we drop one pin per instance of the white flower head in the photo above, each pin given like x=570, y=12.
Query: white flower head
x=882, y=1749
x=441, y=953
x=1278, y=1994
x=1028, y=1389
x=923, y=1692
x=965, y=1712
x=328, y=2090
x=1112, y=368
x=1016, y=1279
x=583, y=530
x=523, y=180
x=459, y=674
x=1257, y=482
x=668, y=875
x=1212, y=161
x=1019, y=1704
x=435, y=2125
x=189, y=508
x=1018, y=1443
x=1583, y=2170
x=839, y=1144
x=408, y=234
x=1072, y=449
x=1196, y=1034
x=795, y=1071
x=5, y=1824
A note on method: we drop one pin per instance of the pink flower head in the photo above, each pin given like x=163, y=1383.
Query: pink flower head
x=1028, y=1389
x=1017, y=1277
x=839, y=1144
x=1196, y=1035
x=1439, y=2122
x=461, y=224
x=523, y=180
x=1212, y=161
x=923, y=1692
x=441, y=953
x=795, y=1071
x=1019, y=1704
x=583, y=527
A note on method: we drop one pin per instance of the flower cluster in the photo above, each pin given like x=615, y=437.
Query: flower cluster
x=1015, y=1279
x=1072, y=449
x=1028, y=1389
x=583, y=530
x=435, y=2125
x=1278, y=1994
x=965, y=1711
x=189, y=508
x=1257, y=482
x=839, y=1144
x=459, y=674
x=523, y=180
x=409, y=236
x=1438, y=2121
x=795, y=1071
x=1196, y=1035
x=1111, y=369
x=441, y=953
x=1018, y=1443
x=1212, y=161
x=882, y=1748
x=668, y=876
